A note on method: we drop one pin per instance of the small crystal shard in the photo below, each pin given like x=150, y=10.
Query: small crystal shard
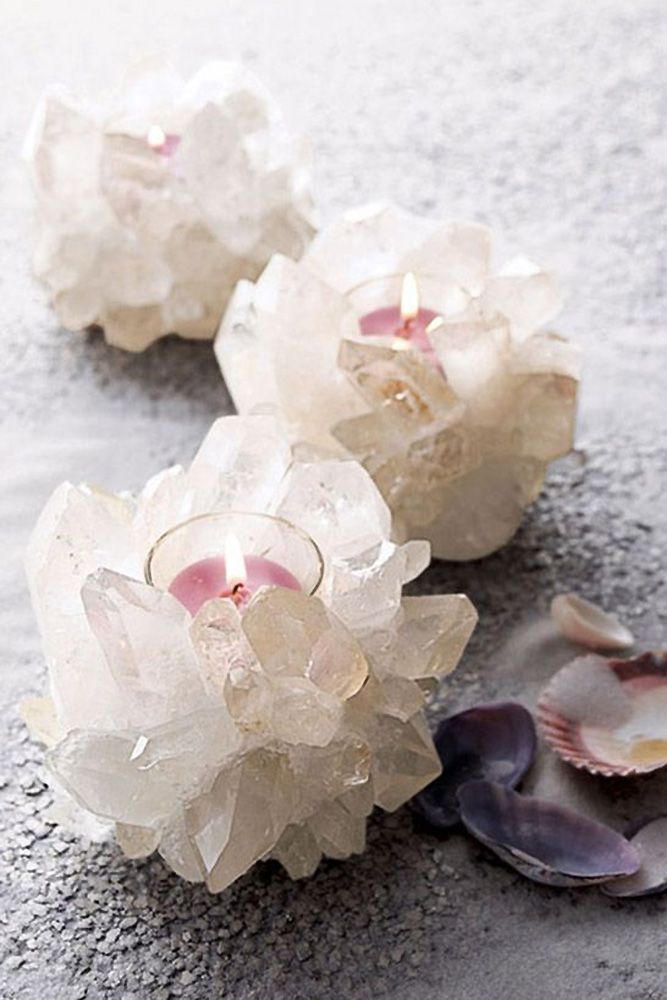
x=404, y=759
x=331, y=771
x=223, y=649
x=178, y=850
x=426, y=638
x=242, y=817
x=337, y=504
x=405, y=387
x=137, y=841
x=302, y=713
x=297, y=851
x=366, y=588
x=137, y=777
x=338, y=833
x=39, y=715
x=294, y=635
x=143, y=637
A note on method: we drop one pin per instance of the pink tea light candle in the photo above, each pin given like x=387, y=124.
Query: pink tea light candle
x=408, y=323
x=233, y=555
x=233, y=575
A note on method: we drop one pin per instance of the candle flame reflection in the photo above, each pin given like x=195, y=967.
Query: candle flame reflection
x=435, y=324
x=156, y=136
x=235, y=568
x=409, y=297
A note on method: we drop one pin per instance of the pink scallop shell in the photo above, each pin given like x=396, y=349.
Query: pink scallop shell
x=608, y=716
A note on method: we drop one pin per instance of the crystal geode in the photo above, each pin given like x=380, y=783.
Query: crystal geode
x=459, y=447
x=153, y=202
x=228, y=737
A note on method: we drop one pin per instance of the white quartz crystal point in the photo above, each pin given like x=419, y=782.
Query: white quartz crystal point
x=239, y=466
x=79, y=529
x=39, y=715
x=142, y=633
x=233, y=735
x=136, y=841
x=426, y=638
x=242, y=817
x=154, y=200
x=298, y=851
x=374, y=240
x=294, y=635
x=458, y=448
x=275, y=341
x=339, y=505
x=140, y=776
x=406, y=761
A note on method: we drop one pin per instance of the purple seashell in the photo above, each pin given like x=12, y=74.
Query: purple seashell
x=544, y=841
x=495, y=742
x=649, y=838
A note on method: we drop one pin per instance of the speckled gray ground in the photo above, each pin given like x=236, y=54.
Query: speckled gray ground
x=546, y=120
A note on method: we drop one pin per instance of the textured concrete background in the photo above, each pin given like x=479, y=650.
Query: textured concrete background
x=546, y=120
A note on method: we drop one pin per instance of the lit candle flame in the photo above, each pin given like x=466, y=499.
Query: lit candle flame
x=156, y=136
x=235, y=568
x=409, y=297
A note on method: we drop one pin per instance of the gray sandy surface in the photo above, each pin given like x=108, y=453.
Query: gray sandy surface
x=546, y=120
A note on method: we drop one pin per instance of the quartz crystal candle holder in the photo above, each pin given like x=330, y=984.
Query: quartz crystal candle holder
x=154, y=200
x=267, y=720
x=457, y=414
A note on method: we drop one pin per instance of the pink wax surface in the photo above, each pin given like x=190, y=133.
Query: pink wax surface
x=207, y=578
x=388, y=322
x=169, y=146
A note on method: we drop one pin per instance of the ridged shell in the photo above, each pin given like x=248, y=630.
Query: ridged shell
x=586, y=623
x=649, y=838
x=608, y=716
x=497, y=742
x=542, y=840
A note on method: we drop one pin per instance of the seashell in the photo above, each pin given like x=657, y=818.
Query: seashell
x=649, y=838
x=608, y=716
x=542, y=840
x=589, y=625
x=497, y=742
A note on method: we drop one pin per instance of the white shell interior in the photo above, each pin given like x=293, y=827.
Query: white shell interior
x=587, y=624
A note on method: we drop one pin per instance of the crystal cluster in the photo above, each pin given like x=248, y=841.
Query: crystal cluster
x=228, y=737
x=153, y=202
x=457, y=449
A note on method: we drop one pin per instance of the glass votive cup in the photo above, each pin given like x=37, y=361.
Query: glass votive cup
x=261, y=537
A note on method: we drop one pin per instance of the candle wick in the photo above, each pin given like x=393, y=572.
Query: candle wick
x=239, y=595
